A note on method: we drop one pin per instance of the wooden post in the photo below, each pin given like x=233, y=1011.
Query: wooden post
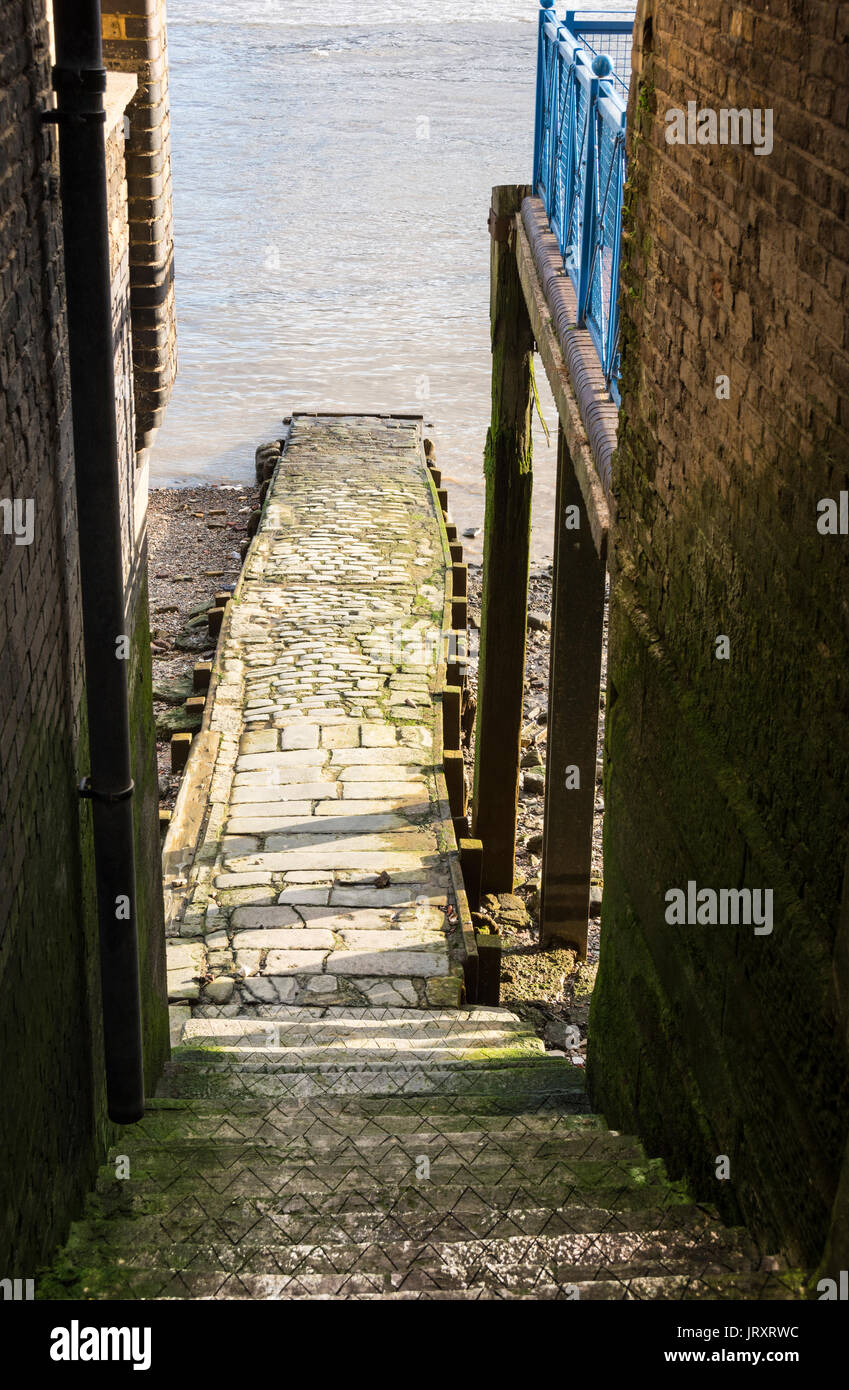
x=506, y=554
x=471, y=854
x=455, y=781
x=489, y=967
x=573, y=700
x=459, y=614
x=180, y=747
x=451, y=700
x=215, y=617
x=202, y=675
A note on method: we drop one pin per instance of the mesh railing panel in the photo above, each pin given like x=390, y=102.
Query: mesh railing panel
x=580, y=156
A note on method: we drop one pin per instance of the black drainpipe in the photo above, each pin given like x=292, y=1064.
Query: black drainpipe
x=79, y=80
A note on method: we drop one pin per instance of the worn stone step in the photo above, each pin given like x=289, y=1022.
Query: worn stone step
x=347, y=1019
x=242, y=1226
x=520, y=1080
x=166, y=1118
x=241, y=1195
x=457, y=1264
x=261, y=1173
x=240, y=1174
x=446, y=1106
x=338, y=1056
x=125, y=1283
x=356, y=1031
x=210, y=1152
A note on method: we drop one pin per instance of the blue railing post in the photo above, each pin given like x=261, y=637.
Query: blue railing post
x=588, y=200
x=539, y=124
x=579, y=159
x=613, y=326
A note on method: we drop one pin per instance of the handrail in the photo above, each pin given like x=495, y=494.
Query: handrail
x=579, y=161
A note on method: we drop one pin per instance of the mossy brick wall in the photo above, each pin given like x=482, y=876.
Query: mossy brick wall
x=53, y=1127
x=150, y=907
x=119, y=269
x=135, y=40
x=732, y=773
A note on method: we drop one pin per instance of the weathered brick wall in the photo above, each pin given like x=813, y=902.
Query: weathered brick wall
x=119, y=267
x=732, y=772
x=52, y=1119
x=52, y=1116
x=134, y=554
x=134, y=40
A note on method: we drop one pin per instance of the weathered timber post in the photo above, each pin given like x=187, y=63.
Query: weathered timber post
x=506, y=554
x=577, y=622
x=489, y=967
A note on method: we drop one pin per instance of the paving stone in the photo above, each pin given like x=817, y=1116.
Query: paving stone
x=384, y=962
x=340, y=736
x=372, y=774
x=411, y=805
x=264, y=918
x=282, y=763
x=291, y=938
x=220, y=991
x=300, y=736
x=265, y=990
x=261, y=741
x=283, y=962
x=406, y=939
x=397, y=756
x=374, y=736
x=387, y=992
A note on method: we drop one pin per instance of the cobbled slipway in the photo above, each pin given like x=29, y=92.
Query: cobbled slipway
x=335, y=1122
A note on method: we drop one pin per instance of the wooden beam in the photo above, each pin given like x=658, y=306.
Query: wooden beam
x=506, y=555
x=471, y=861
x=549, y=349
x=455, y=781
x=573, y=705
x=452, y=697
x=489, y=967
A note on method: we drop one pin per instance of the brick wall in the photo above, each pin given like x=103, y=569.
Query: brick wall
x=134, y=40
x=732, y=772
x=119, y=255
x=52, y=1113
x=52, y=1120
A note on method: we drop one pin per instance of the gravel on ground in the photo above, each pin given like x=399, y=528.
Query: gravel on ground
x=193, y=535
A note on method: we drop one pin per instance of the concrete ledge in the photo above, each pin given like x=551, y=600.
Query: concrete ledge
x=121, y=87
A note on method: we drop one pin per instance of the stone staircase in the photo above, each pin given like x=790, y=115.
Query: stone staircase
x=334, y=1123
x=390, y=1154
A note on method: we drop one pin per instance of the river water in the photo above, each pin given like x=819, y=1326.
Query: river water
x=332, y=168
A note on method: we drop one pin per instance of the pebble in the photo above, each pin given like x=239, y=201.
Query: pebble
x=538, y=622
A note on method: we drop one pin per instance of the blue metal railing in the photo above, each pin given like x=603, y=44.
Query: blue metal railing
x=583, y=71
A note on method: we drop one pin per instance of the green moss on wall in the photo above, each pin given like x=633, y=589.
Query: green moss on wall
x=151, y=925
x=53, y=1125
